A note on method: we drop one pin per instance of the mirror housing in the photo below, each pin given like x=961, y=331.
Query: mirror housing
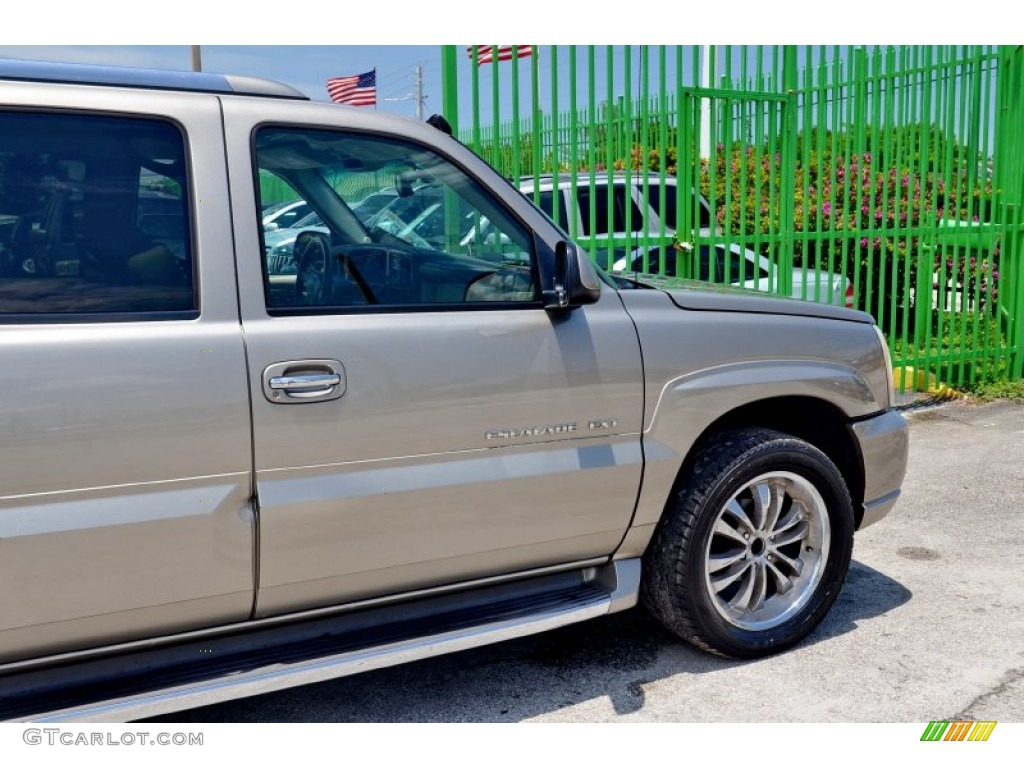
x=572, y=281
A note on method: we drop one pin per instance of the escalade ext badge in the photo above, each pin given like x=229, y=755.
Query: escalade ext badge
x=510, y=433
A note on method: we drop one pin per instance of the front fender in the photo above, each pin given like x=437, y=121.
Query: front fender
x=702, y=365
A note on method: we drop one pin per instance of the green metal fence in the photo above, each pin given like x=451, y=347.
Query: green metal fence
x=891, y=178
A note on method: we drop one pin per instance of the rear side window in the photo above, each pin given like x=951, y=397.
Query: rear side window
x=616, y=223
x=546, y=202
x=94, y=218
x=671, y=215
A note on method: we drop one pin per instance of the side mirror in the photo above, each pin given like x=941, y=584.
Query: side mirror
x=438, y=121
x=573, y=281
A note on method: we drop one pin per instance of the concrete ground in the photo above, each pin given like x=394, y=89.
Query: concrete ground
x=930, y=626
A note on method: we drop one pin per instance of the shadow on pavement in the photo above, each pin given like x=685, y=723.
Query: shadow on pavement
x=613, y=657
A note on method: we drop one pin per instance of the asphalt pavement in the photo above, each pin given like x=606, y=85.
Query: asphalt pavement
x=929, y=626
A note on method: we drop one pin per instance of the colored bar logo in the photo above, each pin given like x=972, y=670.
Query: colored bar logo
x=958, y=730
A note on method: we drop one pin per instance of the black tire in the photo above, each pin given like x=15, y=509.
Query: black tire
x=780, y=579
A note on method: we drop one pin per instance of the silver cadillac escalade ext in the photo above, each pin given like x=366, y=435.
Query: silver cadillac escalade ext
x=431, y=424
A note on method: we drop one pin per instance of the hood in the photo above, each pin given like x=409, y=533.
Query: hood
x=702, y=296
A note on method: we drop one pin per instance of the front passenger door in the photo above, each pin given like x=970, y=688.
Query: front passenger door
x=445, y=432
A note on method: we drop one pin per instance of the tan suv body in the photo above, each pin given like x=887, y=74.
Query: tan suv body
x=413, y=441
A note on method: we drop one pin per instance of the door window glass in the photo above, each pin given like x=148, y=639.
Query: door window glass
x=94, y=217
x=396, y=226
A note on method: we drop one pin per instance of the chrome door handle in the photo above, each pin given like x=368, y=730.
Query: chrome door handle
x=304, y=381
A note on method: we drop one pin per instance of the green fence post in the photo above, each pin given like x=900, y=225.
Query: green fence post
x=926, y=253
x=517, y=140
x=475, y=99
x=538, y=129
x=790, y=81
x=450, y=85
x=1009, y=162
x=495, y=120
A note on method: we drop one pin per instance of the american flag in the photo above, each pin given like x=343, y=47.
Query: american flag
x=357, y=90
x=485, y=53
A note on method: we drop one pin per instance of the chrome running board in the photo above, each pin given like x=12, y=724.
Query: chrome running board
x=409, y=633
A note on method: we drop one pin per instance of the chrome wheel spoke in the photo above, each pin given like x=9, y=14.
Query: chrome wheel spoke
x=722, y=528
x=717, y=562
x=752, y=590
x=762, y=494
x=782, y=582
x=794, y=565
x=730, y=576
x=735, y=509
x=790, y=535
x=774, y=508
x=796, y=515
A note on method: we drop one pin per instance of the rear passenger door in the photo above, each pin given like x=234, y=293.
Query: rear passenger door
x=124, y=417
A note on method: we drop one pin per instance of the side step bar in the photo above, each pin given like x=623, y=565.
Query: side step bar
x=154, y=682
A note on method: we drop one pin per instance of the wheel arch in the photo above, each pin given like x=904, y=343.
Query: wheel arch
x=668, y=452
x=817, y=421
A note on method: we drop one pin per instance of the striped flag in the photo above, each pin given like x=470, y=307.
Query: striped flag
x=485, y=53
x=356, y=90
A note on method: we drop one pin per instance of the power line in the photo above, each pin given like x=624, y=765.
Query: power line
x=417, y=95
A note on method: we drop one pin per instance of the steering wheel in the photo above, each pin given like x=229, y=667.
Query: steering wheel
x=313, y=269
x=318, y=280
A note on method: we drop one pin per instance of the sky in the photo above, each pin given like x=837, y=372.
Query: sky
x=319, y=40
x=306, y=67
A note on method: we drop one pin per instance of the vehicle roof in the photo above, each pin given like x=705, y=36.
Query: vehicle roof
x=159, y=79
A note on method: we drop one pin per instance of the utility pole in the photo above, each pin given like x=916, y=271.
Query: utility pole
x=197, y=59
x=419, y=96
x=419, y=91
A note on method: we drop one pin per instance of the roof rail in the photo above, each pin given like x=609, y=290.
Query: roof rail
x=161, y=79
